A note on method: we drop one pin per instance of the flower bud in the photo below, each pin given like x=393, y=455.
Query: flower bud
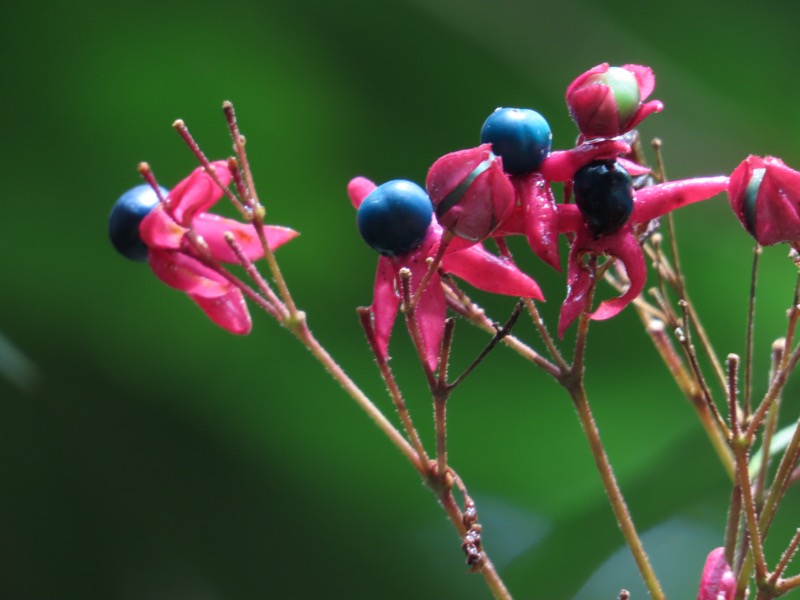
x=470, y=192
x=765, y=195
x=607, y=101
x=718, y=581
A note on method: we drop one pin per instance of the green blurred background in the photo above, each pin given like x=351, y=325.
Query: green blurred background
x=148, y=454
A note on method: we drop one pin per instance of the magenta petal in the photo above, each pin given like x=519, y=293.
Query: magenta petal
x=579, y=81
x=561, y=165
x=187, y=274
x=450, y=170
x=159, y=230
x=358, y=189
x=657, y=200
x=570, y=218
x=579, y=282
x=625, y=247
x=490, y=273
x=229, y=311
x=645, y=110
x=540, y=217
x=645, y=78
x=594, y=109
x=485, y=204
x=430, y=315
x=385, y=302
x=634, y=169
x=718, y=581
x=197, y=193
x=212, y=228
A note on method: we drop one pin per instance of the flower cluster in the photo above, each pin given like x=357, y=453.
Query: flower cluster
x=503, y=187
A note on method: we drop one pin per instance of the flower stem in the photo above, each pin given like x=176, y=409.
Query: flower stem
x=615, y=497
x=303, y=333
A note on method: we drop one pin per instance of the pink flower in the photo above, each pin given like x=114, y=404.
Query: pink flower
x=765, y=195
x=717, y=581
x=620, y=241
x=607, y=101
x=175, y=261
x=467, y=260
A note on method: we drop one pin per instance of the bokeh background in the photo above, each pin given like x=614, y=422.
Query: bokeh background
x=148, y=454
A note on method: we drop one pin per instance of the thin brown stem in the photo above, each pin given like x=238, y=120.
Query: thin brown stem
x=433, y=266
x=279, y=310
x=734, y=520
x=460, y=303
x=740, y=451
x=365, y=317
x=686, y=341
x=786, y=557
x=549, y=343
x=183, y=131
x=691, y=391
x=615, y=496
x=500, y=334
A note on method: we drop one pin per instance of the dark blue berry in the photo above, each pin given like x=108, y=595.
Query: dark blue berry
x=123, y=224
x=521, y=136
x=394, y=218
x=604, y=194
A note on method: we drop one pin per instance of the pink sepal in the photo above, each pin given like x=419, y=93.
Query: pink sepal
x=540, y=217
x=187, y=274
x=229, y=311
x=159, y=230
x=385, y=302
x=197, y=193
x=634, y=169
x=657, y=200
x=621, y=245
x=358, y=189
x=718, y=581
x=490, y=273
x=483, y=205
x=451, y=169
x=561, y=165
x=212, y=228
x=430, y=314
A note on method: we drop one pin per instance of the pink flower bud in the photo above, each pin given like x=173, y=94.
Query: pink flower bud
x=607, y=101
x=470, y=192
x=765, y=195
x=718, y=581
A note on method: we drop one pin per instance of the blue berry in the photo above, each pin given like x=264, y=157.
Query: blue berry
x=604, y=194
x=123, y=224
x=394, y=218
x=521, y=136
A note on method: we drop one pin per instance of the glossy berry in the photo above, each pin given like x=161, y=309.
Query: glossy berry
x=395, y=217
x=604, y=194
x=521, y=136
x=128, y=212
